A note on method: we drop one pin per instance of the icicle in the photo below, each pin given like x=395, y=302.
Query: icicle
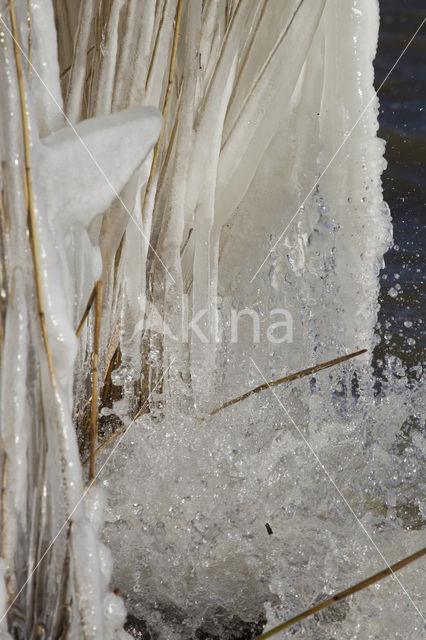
x=248, y=138
x=108, y=64
x=78, y=67
x=159, y=63
x=14, y=420
x=46, y=94
x=126, y=54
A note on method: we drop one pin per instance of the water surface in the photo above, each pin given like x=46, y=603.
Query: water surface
x=403, y=126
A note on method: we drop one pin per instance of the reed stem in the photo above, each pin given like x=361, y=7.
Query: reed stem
x=290, y=378
x=32, y=228
x=86, y=311
x=30, y=39
x=94, y=414
x=3, y=504
x=117, y=433
x=344, y=594
x=165, y=105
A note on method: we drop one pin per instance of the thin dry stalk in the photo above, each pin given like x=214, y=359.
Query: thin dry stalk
x=3, y=505
x=262, y=72
x=154, y=51
x=105, y=442
x=114, y=363
x=216, y=69
x=117, y=433
x=266, y=385
x=32, y=228
x=246, y=56
x=68, y=69
x=86, y=311
x=170, y=146
x=30, y=209
x=94, y=415
x=79, y=61
x=166, y=103
x=290, y=378
x=30, y=39
x=3, y=516
x=345, y=594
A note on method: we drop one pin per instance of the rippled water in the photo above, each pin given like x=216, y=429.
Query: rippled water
x=403, y=126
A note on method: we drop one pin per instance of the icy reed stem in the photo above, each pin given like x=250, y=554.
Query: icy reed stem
x=30, y=195
x=345, y=594
x=166, y=101
x=86, y=311
x=289, y=378
x=94, y=413
x=262, y=387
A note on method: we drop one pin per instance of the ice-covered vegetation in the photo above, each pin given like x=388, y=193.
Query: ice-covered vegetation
x=215, y=164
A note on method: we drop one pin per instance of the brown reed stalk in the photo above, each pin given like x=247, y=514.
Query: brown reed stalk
x=265, y=66
x=344, y=594
x=87, y=310
x=290, y=378
x=32, y=228
x=170, y=146
x=94, y=414
x=262, y=387
x=116, y=433
x=30, y=38
x=3, y=516
x=246, y=55
x=68, y=69
x=166, y=103
x=228, y=32
x=3, y=504
x=154, y=51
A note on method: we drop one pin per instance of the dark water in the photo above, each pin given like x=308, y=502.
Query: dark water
x=403, y=125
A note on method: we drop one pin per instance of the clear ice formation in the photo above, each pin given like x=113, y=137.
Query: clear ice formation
x=248, y=208
x=77, y=173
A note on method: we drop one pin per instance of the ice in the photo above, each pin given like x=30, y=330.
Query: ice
x=194, y=508
x=45, y=88
x=42, y=476
x=99, y=155
x=260, y=216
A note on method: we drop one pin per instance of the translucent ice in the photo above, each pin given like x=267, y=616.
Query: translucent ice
x=262, y=202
